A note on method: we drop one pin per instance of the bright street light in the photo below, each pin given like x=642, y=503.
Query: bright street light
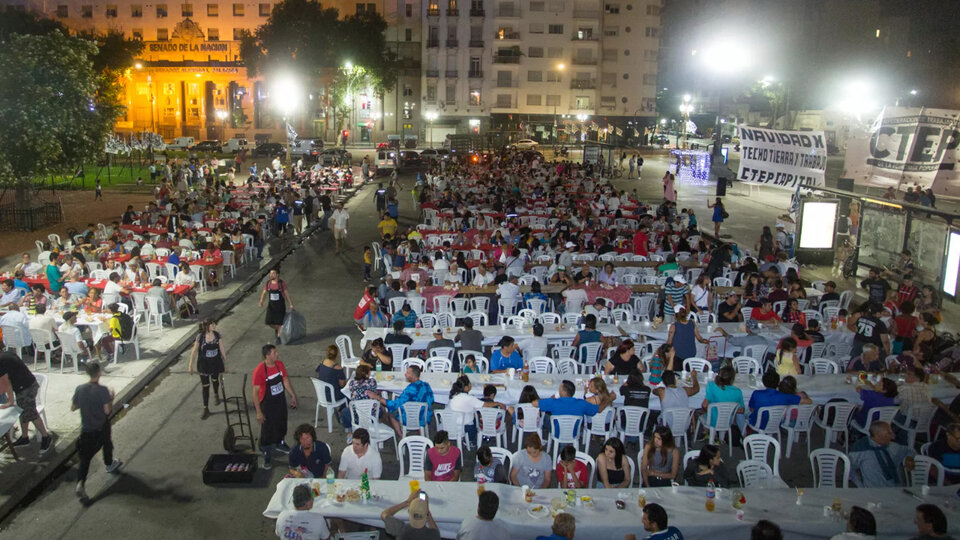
x=857, y=97
x=726, y=57
x=913, y=92
x=561, y=67
x=348, y=65
x=285, y=93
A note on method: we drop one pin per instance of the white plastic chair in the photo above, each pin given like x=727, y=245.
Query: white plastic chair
x=407, y=362
x=229, y=263
x=542, y=364
x=838, y=424
x=822, y=366
x=366, y=414
x=757, y=447
x=920, y=475
x=14, y=338
x=414, y=417
x=687, y=458
x=599, y=425
x=774, y=416
x=43, y=343
x=825, y=464
x=412, y=455
x=44, y=381
x=917, y=420
x=69, y=350
x=881, y=414
x=532, y=422
x=725, y=412
x=398, y=351
x=564, y=430
x=697, y=364
x=746, y=365
x=590, y=356
x=134, y=340
x=568, y=366
x=437, y=364
x=452, y=423
x=326, y=398
x=156, y=313
x=547, y=319
x=679, y=422
x=753, y=473
x=504, y=456
x=802, y=425
x=632, y=420
x=480, y=304
x=487, y=421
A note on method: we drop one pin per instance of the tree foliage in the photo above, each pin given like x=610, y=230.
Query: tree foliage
x=56, y=109
x=311, y=40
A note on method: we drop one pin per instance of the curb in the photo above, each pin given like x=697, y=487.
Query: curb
x=46, y=470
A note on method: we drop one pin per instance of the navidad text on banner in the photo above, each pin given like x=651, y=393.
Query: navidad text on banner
x=783, y=159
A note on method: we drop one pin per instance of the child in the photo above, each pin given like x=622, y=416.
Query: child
x=367, y=262
x=471, y=364
x=905, y=328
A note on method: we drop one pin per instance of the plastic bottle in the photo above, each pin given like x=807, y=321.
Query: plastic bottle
x=331, y=488
x=364, y=487
x=711, y=496
x=481, y=480
x=379, y=366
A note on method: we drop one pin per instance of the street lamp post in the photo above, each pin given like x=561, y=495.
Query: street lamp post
x=430, y=116
x=556, y=133
x=222, y=116
x=686, y=108
x=285, y=93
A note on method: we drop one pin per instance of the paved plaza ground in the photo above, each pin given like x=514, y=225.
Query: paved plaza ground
x=164, y=443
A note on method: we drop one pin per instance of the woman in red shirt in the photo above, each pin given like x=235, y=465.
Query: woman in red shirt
x=765, y=312
x=792, y=313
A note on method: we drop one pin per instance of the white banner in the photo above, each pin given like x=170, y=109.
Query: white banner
x=780, y=158
x=907, y=146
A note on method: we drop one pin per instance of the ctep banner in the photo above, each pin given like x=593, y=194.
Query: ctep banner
x=783, y=159
x=906, y=146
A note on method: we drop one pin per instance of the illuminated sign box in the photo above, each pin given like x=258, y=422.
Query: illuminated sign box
x=817, y=222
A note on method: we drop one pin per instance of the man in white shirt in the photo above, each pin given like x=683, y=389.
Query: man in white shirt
x=43, y=321
x=11, y=295
x=482, y=278
x=509, y=291
x=302, y=523
x=536, y=346
x=575, y=299
x=484, y=526
x=359, y=457
x=341, y=220
x=566, y=258
x=19, y=320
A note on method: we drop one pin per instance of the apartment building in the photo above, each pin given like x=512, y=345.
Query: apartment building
x=190, y=81
x=547, y=69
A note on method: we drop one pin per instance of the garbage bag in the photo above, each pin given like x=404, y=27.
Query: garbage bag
x=294, y=327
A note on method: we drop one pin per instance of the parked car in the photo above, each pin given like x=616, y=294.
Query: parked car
x=410, y=159
x=181, y=143
x=525, y=144
x=207, y=146
x=429, y=155
x=232, y=146
x=331, y=156
x=660, y=139
x=268, y=149
x=308, y=149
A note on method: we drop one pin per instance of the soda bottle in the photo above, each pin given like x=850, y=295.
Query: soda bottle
x=481, y=480
x=379, y=367
x=711, y=496
x=331, y=489
x=364, y=487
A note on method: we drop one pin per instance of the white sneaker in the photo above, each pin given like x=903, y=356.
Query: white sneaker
x=80, y=491
x=115, y=466
x=349, y=438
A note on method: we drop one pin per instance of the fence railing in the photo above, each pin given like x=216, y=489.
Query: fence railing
x=30, y=219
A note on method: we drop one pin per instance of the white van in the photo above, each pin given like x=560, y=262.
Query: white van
x=386, y=161
x=235, y=145
x=181, y=143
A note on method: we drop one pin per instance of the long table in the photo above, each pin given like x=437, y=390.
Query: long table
x=452, y=502
x=491, y=334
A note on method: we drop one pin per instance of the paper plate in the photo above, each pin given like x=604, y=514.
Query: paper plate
x=543, y=511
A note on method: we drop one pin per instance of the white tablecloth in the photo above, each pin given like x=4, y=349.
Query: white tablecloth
x=773, y=334
x=491, y=334
x=452, y=502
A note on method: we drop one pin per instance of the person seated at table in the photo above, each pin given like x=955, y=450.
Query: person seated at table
x=443, y=462
x=813, y=331
x=674, y=397
x=184, y=278
x=359, y=456
x=792, y=313
x=506, y=356
x=93, y=300
x=882, y=394
x=861, y=525
x=482, y=277
x=660, y=459
x=64, y=301
x=571, y=473
x=416, y=390
x=113, y=289
x=389, y=288
x=723, y=390
x=453, y=274
x=567, y=405
x=44, y=321
x=535, y=346
x=765, y=313
x=536, y=293
x=777, y=293
x=69, y=330
x=589, y=334
x=706, y=467
x=623, y=360
x=19, y=283
x=398, y=335
x=11, y=297
x=875, y=460
x=407, y=315
x=531, y=467
x=377, y=352
x=36, y=297
x=583, y=276
x=26, y=265
x=437, y=342
x=489, y=468
x=613, y=469
x=310, y=457
x=75, y=284
x=772, y=396
x=508, y=290
x=869, y=360
x=728, y=311
x=608, y=276
x=513, y=262
x=684, y=334
x=599, y=310
x=157, y=291
x=786, y=360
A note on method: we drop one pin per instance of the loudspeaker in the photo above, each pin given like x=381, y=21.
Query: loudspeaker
x=845, y=184
x=722, y=186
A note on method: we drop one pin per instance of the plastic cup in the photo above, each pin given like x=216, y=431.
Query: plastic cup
x=414, y=486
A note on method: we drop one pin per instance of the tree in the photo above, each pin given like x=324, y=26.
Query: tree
x=56, y=110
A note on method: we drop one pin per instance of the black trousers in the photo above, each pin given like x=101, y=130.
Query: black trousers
x=89, y=444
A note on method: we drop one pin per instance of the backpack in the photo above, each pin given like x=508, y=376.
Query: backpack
x=126, y=326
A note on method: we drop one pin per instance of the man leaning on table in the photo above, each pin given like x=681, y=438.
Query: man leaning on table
x=421, y=525
x=656, y=523
x=302, y=522
x=875, y=460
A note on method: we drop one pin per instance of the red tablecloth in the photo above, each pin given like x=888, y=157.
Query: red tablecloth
x=619, y=294
x=170, y=288
x=430, y=292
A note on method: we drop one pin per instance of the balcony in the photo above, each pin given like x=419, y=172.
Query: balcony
x=583, y=84
x=478, y=13
x=433, y=73
x=433, y=13
x=478, y=43
x=453, y=13
x=433, y=43
x=452, y=42
x=475, y=75
x=586, y=14
x=451, y=74
x=585, y=38
x=504, y=36
x=506, y=59
x=584, y=61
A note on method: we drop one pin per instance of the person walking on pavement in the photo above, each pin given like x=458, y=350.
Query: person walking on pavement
x=270, y=386
x=276, y=288
x=341, y=220
x=98, y=192
x=95, y=402
x=365, y=168
x=326, y=205
x=21, y=388
x=380, y=196
x=719, y=214
x=210, y=365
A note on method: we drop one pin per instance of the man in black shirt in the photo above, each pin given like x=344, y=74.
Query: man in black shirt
x=583, y=275
x=876, y=287
x=869, y=329
x=21, y=388
x=326, y=206
x=813, y=330
x=830, y=292
x=729, y=310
